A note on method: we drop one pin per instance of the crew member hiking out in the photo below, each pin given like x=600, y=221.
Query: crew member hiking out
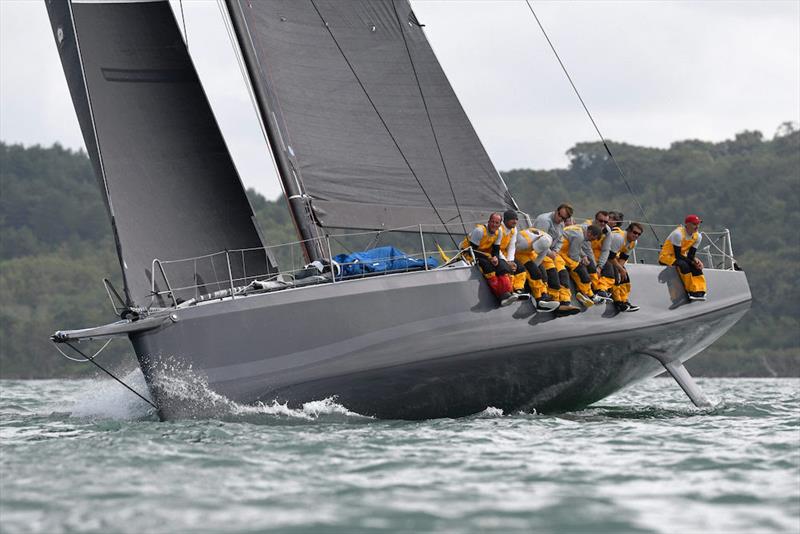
x=600, y=271
x=508, y=245
x=679, y=250
x=552, y=223
x=531, y=250
x=622, y=243
x=576, y=260
x=485, y=242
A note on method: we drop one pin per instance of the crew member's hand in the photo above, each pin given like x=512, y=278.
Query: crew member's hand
x=493, y=261
x=623, y=271
x=551, y=254
x=599, y=269
x=698, y=263
x=585, y=261
x=513, y=266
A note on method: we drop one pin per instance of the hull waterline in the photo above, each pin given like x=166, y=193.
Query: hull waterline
x=430, y=344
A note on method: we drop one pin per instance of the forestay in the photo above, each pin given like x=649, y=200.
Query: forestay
x=342, y=82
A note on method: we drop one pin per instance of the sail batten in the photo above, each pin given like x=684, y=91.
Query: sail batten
x=154, y=142
x=350, y=82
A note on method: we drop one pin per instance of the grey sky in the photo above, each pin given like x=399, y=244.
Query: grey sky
x=650, y=72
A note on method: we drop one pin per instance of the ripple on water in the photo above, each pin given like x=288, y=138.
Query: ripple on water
x=88, y=456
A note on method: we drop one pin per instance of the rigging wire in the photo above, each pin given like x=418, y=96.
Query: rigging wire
x=386, y=126
x=597, y=129
x=428, y=113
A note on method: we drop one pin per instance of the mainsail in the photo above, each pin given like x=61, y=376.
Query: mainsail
x=370, y=133
x=170, y=185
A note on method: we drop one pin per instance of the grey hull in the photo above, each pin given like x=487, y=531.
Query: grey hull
x=432, y=344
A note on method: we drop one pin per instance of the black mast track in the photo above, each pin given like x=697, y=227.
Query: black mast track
x=301, y=213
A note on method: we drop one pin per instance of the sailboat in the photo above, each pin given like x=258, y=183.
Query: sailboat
x=367, y=134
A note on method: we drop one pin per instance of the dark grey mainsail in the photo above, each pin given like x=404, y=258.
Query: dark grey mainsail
x=171, y=187
x=368, y=124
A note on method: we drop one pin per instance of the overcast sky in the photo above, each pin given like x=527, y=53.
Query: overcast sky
x=650, y=72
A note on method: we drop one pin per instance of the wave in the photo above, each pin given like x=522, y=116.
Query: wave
x=194, y=399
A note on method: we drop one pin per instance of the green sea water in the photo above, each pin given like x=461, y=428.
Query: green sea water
x=88, y=456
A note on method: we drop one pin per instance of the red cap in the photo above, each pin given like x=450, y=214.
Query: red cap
x=694, y=219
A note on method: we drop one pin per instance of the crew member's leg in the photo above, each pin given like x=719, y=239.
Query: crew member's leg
x=692, y=278
x=564, y=292
x=520, y=276
x=490, y=273
x=553, y=281
x=698, y=280
x=603, y=282
x=580, y=275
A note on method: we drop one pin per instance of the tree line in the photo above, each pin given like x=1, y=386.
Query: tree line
x=56, y=243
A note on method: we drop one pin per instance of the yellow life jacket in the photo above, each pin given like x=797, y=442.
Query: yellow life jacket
x=527, y=235
x=627, y=246
x=667, y=255
x=565, y=239
x=487, y=239
x=527, y=254
x=597, y=244
x=506, y=235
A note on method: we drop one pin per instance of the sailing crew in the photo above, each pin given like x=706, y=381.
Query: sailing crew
x=485, y=242
x=679, y=250
x=508, y=245
x=573, y=252
x=600, y=271
x=531, y=250
x=552, y=223
x=622, y=243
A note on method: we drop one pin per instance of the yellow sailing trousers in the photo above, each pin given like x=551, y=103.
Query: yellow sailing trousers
x=601, y=283
x=620, y=292
x=562, y=293
x=584, y=287
x=692, y=282
x=537, y=286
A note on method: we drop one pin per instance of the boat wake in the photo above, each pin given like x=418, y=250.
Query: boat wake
x=193, y=399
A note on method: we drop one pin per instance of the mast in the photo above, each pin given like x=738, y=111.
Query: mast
x=299, y=207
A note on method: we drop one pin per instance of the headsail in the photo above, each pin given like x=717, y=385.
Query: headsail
x=362, y=108
x=170, y=184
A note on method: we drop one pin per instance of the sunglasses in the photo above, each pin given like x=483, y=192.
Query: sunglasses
x=637, y=234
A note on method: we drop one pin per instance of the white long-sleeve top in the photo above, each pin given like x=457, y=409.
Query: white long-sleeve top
x=546, y=223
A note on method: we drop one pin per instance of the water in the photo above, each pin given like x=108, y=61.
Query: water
x=87, y=456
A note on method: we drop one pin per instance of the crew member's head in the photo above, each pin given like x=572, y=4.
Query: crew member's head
x=692, y=223
x=634, y=231
x=494, y=222
x=510, y=218
x=563, y=213
x=615, y=218
x=593, y=232
x=601, y=218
